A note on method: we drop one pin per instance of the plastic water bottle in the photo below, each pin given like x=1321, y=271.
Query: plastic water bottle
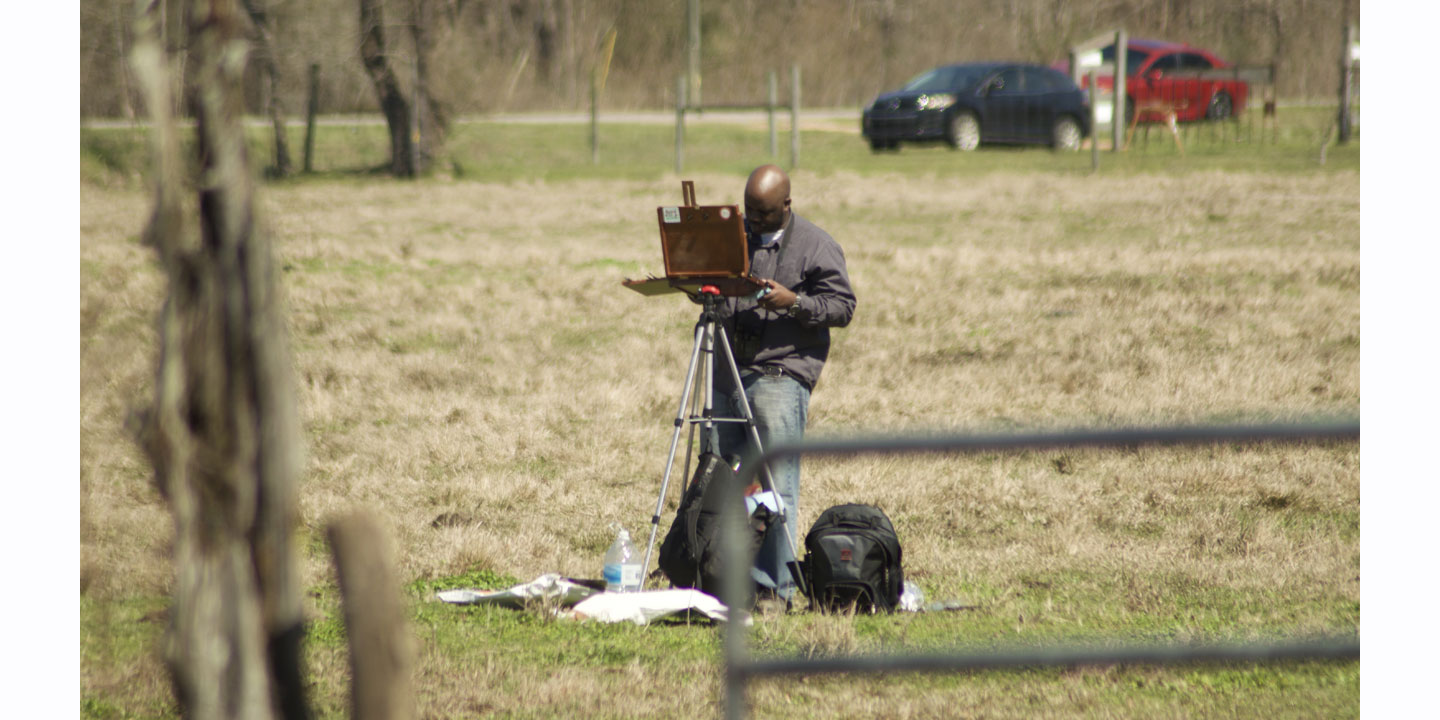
x=622, y=565
x=912, y=598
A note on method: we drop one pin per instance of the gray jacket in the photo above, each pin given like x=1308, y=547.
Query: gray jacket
x=797, y=341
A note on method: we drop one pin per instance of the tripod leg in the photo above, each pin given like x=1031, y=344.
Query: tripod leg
x=689, y=447
x=767, y=480
x=674, y=443
x=697, y=408
x=707, y=426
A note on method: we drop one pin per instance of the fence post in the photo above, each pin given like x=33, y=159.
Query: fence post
x=382, y=653
x=310, y=111
x=1271, y=109
x=595, y=117
x=1117, y=117
x=1094, y=122
x=771, y=99
x=692, y=31
x=1343, y=121
x=795, y=116
x=680, y=125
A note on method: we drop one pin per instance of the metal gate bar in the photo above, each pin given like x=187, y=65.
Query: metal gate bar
x=739, y=668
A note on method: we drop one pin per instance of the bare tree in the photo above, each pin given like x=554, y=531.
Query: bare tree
x=222, y=432
x=430, y=112
x=418, y=123
x=264, y=37
x=1052, y=25
x=393, y=104
x=495, y=55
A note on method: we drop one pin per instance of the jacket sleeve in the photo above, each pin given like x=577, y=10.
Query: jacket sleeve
x=825, y=298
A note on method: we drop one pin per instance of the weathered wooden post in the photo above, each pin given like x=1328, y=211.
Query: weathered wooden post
x=223, y=432
x=382, y=652
x=795, y=116
x=771, y=100
x=680, y=125
x=311, y=110
x=597, y=88
x=692, y=34
x=1346, y=76
x=595, y=117
x=1117, y=117
x=1094, y=121
x=1271, y=109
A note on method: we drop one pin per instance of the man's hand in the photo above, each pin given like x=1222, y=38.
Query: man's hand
x=777, y=298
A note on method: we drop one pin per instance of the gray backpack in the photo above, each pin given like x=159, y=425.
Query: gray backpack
x=852, y=561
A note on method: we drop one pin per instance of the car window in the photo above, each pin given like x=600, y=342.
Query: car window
x=1194, y=61
x=944, y=79
x=1008, y=82
x=1060, y=82
x=1167, y=63
x=1133, y=58
x=927, y=81
x=1038, y=81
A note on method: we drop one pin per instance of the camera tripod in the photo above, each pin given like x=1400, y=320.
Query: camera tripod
x=709, y=334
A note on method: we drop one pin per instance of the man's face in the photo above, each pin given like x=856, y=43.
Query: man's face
x=765, y=215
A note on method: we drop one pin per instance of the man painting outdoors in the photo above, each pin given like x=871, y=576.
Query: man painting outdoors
x=781, y=341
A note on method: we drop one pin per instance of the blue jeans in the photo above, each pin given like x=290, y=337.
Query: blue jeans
x=780, y=405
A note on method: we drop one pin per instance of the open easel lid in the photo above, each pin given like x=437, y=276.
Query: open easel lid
x=702, y=245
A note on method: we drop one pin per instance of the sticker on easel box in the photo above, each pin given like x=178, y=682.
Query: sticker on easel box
x=672, y=214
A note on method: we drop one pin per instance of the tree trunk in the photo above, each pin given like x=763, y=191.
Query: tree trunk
x=888, y=43
x=222, y=432
x=546, y=29
x=387, y=88
x=264, y=37
x=432, y=117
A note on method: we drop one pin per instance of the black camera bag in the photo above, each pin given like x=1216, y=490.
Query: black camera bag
x=690, y=555
x=852, y=561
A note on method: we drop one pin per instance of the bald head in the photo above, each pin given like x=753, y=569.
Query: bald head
x=767, y=199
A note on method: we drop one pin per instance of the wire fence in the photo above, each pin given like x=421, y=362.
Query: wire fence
x=769, y=107
x=740, y=668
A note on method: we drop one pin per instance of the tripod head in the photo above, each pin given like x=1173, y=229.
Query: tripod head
x=710, y=298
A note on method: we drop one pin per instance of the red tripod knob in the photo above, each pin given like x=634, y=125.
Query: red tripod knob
x=709, y=290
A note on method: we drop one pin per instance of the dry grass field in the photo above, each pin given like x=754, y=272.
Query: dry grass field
x=469, y=367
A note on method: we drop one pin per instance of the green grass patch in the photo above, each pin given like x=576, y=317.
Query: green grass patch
x=473, y=636
x=507, y=152
x=122, y=628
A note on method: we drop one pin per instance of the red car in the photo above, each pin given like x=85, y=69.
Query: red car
x=1177, y=77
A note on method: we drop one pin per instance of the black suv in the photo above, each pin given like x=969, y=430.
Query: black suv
x=965, y=105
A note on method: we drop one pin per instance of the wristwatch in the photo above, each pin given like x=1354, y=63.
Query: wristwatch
x=793, y=306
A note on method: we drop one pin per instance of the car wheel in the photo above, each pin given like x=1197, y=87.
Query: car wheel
x=1220, y=108
x=1066, y=134
x=963, y=132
